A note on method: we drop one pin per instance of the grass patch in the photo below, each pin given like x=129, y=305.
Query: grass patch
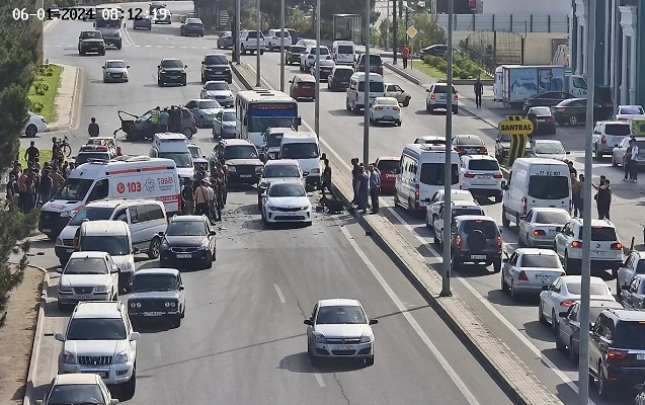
x=42, y=93
x=428, y=70
x=45, y=156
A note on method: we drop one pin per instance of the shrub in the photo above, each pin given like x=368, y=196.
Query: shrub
x=37, y=107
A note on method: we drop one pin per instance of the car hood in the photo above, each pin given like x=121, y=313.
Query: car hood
x=239, y=162
x=266, y=182
x=154, y=295
x=343, y=330
x=116, y=70
x=84, y=280
x=185, y=241
x=288, y=202
x=210, y=111
x=220, y=93
x=96, y=347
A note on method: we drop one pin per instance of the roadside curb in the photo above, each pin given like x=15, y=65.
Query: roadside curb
x=74, y=107
x=35, y=352
x=518, y=381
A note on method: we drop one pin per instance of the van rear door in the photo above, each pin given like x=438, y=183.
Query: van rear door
x=548, y=186
x=430, y=179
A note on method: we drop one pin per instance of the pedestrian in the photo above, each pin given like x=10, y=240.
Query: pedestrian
x=479, y=90
x=22, y=190
x=363, y=186
x=603, y=198
x=93, y=129
x=57, y=152
x=46, y=186
x=405, y=53
x=356, y=171
x=187, y=197
x=572, y=170
x=219, y=197
x=326, y=179
x=31, y=192
x=581, y=179
x=177, y=120
x=163, y=120
x=32, y=153
x=200, y=197
x=375, y=188
x=576, y=191
x=154, y=118
x=212, y=198
x=57, y=180
x=633, y=161
x=171, y=119
x=223, y=176
x=12, y=191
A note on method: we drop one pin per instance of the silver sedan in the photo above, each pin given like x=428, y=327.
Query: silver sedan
x=539, y=227
x=224, y=124
x=530, y=270
x=115, y=71
x=204, y=110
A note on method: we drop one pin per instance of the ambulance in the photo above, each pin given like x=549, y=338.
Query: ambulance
x=133, y=177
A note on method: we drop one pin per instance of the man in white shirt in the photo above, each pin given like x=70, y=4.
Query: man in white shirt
x=633, y=161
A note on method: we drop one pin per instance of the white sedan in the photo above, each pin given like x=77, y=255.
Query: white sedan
x=530, y=270
x=539, y=227
x=436, y=203
x=115, y=71
x=385, y=109
x=563, y=292
x=286, y=202
x=35, y=124
x=548, y=149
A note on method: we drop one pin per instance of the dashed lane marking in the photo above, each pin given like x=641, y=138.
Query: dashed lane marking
x=320, y=380
x=279, y=292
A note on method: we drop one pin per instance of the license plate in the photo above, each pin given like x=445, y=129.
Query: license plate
x=484, y=176
x=598, y=252
x=542, y=278
x=102, y=374
x=390, y=176
x=551, y=232
x=245, y=176
x=84, y=297
x=343, y=347
x=152, y=313
x=541, y=120
x=478, y=257
x=46, y=230
x=184, y=255
x=640, y=356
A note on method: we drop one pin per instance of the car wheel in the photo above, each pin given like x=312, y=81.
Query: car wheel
x=596, y=153
x=498, y=197
x=554, y=322
x=603, y=384
x=505, y=222
x=31, y=131
x=312, y=358
x=504, y=284
x=568, y=264
x=514, y=294
x=406, y=102
x=369, y=361
x=214, y=255
x=219, y=46
x=541, y=317
x=200, y=122
x=497, y=265
x=130, y=387
x=521, y=242
x=573, y=352
x=154, y=250
x=455, y=262
x=613, y=161
x=558, y=342
x=176, y=322
x=573, y=120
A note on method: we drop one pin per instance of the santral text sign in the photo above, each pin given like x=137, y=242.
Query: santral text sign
x=515, y=125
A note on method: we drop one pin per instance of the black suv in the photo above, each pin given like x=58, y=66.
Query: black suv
x=476, y=239
x=188, y=240
x=91, y=41
x=338, y=80
x=242, y=159
x=171, y=70
x=617, y=351
x=216, y=67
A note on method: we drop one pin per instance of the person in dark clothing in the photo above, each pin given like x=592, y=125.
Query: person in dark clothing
x=375, y=188
x=363, y=186
x=46, y=186
x=356, y=171
x=172, y=118
x=32, y=153
x=57, y=152
x=479, y=90
x=572, y=170
x=187, y=197
x=326, y=178
x=603, y=198
x=93, y=129
x=177, y=120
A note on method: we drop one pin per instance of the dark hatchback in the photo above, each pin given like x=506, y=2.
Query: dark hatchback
x=434, y=50
x=171, y=71
x=543, y=120
x=189, y=241
x=292, y=54
x=91, y=42
x=242, y=160
x=546, y=99
x=192, y=26
x=376, y=64
x=216, y=67
x=574, y=112
x=157, y=295
x=339, y=78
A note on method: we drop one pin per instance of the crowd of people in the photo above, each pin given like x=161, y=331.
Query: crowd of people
x=167, y=119
x=366, y=182
x=206, y=194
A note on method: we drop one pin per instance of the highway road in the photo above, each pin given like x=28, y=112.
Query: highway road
x=243, y=341
x=515, y=323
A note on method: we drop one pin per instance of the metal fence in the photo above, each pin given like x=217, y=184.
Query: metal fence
x=508, y=22
x=494, y=48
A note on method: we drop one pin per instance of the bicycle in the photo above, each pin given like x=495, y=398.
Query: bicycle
x=65, y=147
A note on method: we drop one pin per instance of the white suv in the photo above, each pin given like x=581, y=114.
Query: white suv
x=274, y=39
x=481, y=175
x=606, y=249
x=249, y=42
x=100, y=340
x=607, y=135
x=88, y=276
x=436, y=98
x=308, y=57
x=634, y=264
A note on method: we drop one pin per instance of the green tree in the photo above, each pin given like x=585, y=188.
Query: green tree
x=18, y=55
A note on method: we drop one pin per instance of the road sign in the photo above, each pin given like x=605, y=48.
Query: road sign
x=517, y=149
x=412, y=32
x=516, y=125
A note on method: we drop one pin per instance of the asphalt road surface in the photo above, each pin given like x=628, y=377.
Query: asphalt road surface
x=243, y=340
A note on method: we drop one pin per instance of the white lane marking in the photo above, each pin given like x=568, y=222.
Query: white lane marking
x=279, y=292
x=413, y=323
x=183, y=47
x=157, y=349
x=320, y=380
x=159, y=46
x=171, y=47
x=148, y=46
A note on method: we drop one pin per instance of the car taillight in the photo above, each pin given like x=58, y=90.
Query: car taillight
x=499, y=241
x=559, y=109
x=432, y=96
x=416, y=192
x=522, y=276
x=524, y=205
x=459, y=149
x=539, y=233
x=576, y=244
x=483, y=151
x=310, y=57
x=617, y=246
x=458, y=240
x=456, y=97
x=603, y=140
x=329, y=57
x=378, y=108
x=469, y=175
x=616, y=354
x=497, y=175
x=396, y=108
x=566, y=303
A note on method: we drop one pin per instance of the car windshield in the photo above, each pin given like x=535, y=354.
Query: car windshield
x=216, y=86
x=375, y=60
x=181, y=159
x=483, y=164
x=297, y=49
x=92, y=34
x=386, y=101
x=343, y=73
x=432, y=174
x=76, y=394
x=346, y=49
x=340, y=315
x=114, y=245
x=287, y=190
x=115, y=64
x=444, y=89
x=87, y=156
x=253, y=34
x=281, y=171
x=274, y=140
x=488, y=228
x=632, y=109
x=468, y=141
x=96, y=329
x=194, y=21
x=541, y=111
x=228, y=117
x=91, y=214
x=551, y=218
x=549, y=187
x=75, y=189
x=549, y=148
x=186, y=228
x=172, y=64
x=542, y=261
x=86, y=265
x=630, y=335
x=260, y=123
x=195, y=152
x=601, y=234
x=216, y=60
x=300, y=151
x=154, y=282
x=279, y=34
x=594, y=289
x=388, y=165
x=375, y=87
x=323, y=51
x=208, y=104
x=618, y=129
x=240, y=152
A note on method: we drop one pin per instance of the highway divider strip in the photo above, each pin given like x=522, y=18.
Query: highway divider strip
x=519, y=382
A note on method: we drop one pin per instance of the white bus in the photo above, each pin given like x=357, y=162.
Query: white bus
x=259, y=109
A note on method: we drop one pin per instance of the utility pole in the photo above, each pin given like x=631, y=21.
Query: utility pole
x=387, y=27
x=236, y=37
x=258, y=28
x=395, y=29
x=366, y=95
x=282, y=16
x=407, y=23
x=317, y=66
x=447, y=169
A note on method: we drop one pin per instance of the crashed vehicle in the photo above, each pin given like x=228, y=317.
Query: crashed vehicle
x=112, y=36
x=139, y=128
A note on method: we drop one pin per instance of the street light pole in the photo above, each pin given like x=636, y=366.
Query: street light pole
x=590, y=55
x=395, y=31
x=387, y=27
x=258, y=28
x=282, y=12
x=366, y=99
x=238, y=24
x=317, y=66
x=447, y=169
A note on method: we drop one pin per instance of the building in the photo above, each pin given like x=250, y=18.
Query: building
x=620, y=25
x=541, y=7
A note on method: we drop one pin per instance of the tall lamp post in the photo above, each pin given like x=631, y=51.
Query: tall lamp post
x=282, y=12
x=258, y=28
x=236, y=38
x=366, y=99
x=317, y=66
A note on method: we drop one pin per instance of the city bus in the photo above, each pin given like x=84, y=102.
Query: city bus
x=259, y=109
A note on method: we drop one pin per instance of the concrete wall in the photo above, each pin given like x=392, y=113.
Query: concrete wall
x=538, y=47
x=553, y=7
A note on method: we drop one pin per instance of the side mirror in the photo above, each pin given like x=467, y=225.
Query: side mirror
x=308, y=322
x=134, y=336
x=103, y=67
x=290, y=81
x=504, y=186
x=181, y=288
x=185, y=66
x=127, y=67
x=624, y=287
x=505, y=260
x=373, y=321
x=59, y=270
x=161, y=233
x=299, y=121
x=59, y=336
x=212, y=233
x=204, y=157
x=135, y=250
x=563, y=314
x=158, y=66
x=114, y=401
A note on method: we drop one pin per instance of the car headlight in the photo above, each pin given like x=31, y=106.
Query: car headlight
x=315, y=170
x=232, y=169
x=64, y=289
x=204, y=245
x=258, y=169
x=320, y=338
x=167, y=304
x=270, y=206
x=304, y=207
x=68, y=357
x=162, y=71
x=67, y=214
x=59, y=241
x=133, y=304
x=122, y=357
x=126, y=266
x=367, y=338
x=101, y=289
x=165, y=246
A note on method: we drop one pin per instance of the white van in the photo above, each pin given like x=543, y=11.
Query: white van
x=356, y=91
x=421, y=175
x=303, y=147
x=343, y=52
x=133, y=177
x=114, y=238
x=174, y=146
x=535, y=183
x=498, y=83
